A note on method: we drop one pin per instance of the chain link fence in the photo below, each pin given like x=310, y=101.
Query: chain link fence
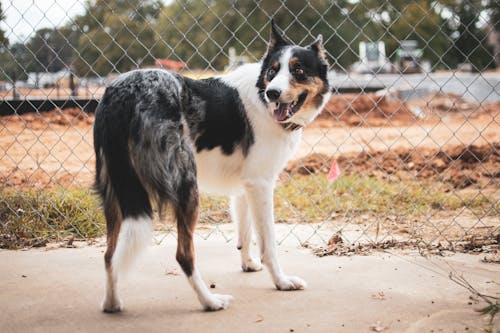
x=412, y=127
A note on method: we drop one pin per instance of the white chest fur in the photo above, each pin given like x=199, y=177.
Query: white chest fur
x=272, y=148
x=225, y=174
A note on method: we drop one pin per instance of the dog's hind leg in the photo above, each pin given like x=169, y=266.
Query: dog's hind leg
x=111, y=302
x=128, y=220
x=126, y=237
x=241, y=217
x=186, y=212
x=134, y=236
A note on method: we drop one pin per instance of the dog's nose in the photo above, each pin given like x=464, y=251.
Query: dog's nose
x=273, y=94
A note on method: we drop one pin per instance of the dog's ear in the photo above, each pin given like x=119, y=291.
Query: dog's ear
x=277, y=38
x=317, y=47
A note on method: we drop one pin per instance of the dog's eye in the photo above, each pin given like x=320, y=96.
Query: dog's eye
x=271, y=72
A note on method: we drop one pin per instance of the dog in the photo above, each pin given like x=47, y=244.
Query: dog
x=159, y=136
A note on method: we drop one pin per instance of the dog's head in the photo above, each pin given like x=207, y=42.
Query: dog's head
x=293, y=80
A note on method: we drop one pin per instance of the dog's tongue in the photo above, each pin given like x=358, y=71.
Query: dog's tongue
x=282, y=111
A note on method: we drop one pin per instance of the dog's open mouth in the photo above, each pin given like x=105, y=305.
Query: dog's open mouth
x=285, y=111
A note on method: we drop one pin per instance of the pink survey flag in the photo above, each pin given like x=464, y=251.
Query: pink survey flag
x=334, y=172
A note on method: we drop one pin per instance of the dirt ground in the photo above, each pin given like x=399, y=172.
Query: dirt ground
x=451, y=137
x=62, y=92
x=387, y=109
x=451, y=141
x=462, y=165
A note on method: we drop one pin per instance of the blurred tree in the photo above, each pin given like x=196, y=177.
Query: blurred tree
x=418, y=20
x=494, y=12
x=5, y=57
x=467, y=28
x=117, y=35
x=4, y=42
x=51, y=49
x=201, y=32
x=16, y=62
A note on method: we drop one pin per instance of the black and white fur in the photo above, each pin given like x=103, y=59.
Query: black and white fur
x=158, y=137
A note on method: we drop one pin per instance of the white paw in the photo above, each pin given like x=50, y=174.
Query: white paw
x=291, y=283
x=217, y=302
x=251, y=265
x=112, y=305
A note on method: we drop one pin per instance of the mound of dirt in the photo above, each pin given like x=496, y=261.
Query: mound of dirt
x=447, y=102
x=462, y=166
x=73, y=117
x=440, y=105
x=365, y=110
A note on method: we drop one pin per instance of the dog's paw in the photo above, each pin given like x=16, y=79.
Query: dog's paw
x=291, y=283
x=112, y=305
x=217, y=302
x=251, y=265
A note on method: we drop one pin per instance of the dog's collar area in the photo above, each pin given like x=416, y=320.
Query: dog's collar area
x=290, y=126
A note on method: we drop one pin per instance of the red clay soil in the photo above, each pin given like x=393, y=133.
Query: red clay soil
x=46, y=120
x=365, y=110
x=448, y=102
x=462, y=166
x=377, y=110
x=347, y=109
x=66, y=138
x=342, y=110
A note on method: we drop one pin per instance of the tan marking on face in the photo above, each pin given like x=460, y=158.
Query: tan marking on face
x=315, y=89
x=293, y=61
x=265, y=80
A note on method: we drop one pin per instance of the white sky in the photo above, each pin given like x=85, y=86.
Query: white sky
x=23, y=17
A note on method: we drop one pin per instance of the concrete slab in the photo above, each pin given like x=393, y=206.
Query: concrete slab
x=60, y=291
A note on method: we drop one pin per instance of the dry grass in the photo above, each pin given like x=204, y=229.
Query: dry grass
x=32, y=218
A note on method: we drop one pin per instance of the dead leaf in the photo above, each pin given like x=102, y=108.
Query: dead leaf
x=380, y=296
x=171, y=271
x=259, y=319
x=378, y=327
x=336, y=239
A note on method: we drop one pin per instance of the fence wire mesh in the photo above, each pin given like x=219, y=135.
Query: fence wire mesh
x=412, y=126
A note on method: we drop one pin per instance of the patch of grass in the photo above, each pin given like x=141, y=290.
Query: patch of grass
x=27, y=215
x=48, y=215
x=312, y=199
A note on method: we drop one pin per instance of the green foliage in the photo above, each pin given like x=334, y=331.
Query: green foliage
x=4, y=42
x=52, y=49
x=117, y=36
x=17, y=61
x=469, y=39
x=417, y=20
x=210, y=28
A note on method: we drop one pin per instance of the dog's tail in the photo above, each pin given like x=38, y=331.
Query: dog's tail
x=125, y=201
x=141, y=158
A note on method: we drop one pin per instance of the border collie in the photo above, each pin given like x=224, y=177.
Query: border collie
x=158, y=137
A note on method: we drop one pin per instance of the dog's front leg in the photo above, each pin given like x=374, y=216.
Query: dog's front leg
x=259, y=194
